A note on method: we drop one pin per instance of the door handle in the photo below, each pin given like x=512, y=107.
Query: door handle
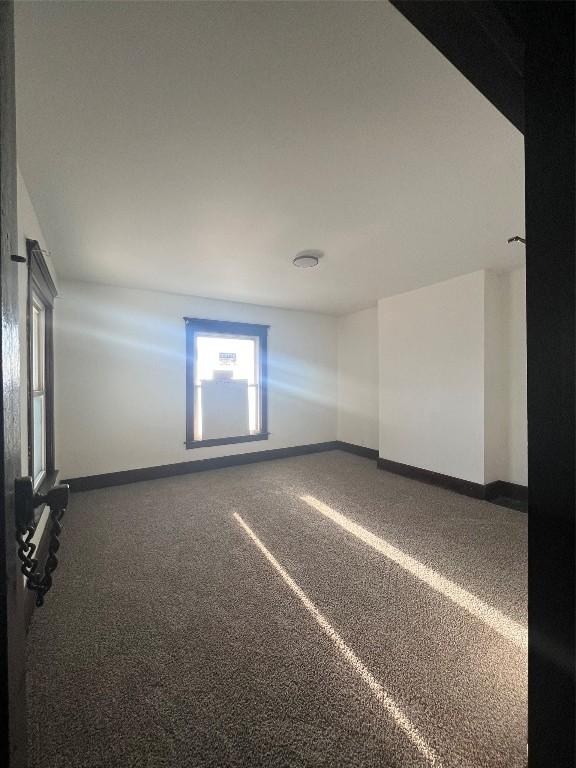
x=25, y=502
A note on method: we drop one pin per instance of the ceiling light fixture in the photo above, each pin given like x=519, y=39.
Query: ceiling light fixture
x=307, y=259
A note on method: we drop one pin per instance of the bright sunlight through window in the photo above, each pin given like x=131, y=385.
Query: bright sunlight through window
x=225, y=382
x=226, y=386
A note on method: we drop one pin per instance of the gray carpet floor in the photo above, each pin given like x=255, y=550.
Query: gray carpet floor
x=170, y=639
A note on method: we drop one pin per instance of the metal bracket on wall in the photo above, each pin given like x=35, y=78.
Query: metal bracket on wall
x=26, y=501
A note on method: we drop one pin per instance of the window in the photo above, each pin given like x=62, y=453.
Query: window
x=41, y=294
x=38, y=390
x=226, y=382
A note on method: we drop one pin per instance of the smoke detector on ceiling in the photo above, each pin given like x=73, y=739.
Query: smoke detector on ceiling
x=307, y=259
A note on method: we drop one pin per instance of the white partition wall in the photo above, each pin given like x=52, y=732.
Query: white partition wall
x=517, y=385
x=432, y=377
x=358, y=378
x=453, y=378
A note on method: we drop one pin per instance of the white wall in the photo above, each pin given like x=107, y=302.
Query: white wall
x=453, y=377
x=517, y=391
x=506, y=424
x=120, y=361
x=358, y=378
x=432, y=377
x=496, y=376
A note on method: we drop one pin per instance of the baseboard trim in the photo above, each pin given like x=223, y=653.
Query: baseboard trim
x=489, y=492
x=502, y=488
x=465, y=487
x=497, y=489
x=359, y=450
x=125, y=477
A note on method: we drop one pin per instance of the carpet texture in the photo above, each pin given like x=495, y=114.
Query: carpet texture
x=171, y=639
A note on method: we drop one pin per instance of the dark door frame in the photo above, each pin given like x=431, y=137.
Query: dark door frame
x=520, y=55
x=12, y=604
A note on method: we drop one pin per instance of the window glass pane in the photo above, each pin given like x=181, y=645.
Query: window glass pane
x=39, y=431
x=223, y=356
x=226, y=384
x=37, y=345
x=35, y=335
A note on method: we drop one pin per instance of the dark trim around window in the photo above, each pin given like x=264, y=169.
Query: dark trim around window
x=194, y=326
x=40, y=282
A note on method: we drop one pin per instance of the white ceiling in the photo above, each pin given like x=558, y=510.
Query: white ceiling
x=197, y=147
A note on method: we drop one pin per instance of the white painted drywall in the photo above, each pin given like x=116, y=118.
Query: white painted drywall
x=506, y=425
x=358, y=378
x=120, y=357
x=496, y=376
x=517, y=468
x=432, y=377
x=453, y=377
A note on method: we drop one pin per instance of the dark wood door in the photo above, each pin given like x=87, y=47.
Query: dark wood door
x=12, y=633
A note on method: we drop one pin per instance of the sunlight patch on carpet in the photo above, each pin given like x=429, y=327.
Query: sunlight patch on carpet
x=361, y=670
x=492, y=617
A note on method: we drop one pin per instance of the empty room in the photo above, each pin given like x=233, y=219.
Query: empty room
x=269, y=371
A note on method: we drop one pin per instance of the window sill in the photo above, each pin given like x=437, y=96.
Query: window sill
x=227, y=440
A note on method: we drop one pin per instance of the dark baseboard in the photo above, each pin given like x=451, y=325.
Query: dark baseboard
x=507, y=494
x=466, y=487
x=506, y=490
x=93, y=482
x=491, y=492
x=500, y=492
x=359, y=450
